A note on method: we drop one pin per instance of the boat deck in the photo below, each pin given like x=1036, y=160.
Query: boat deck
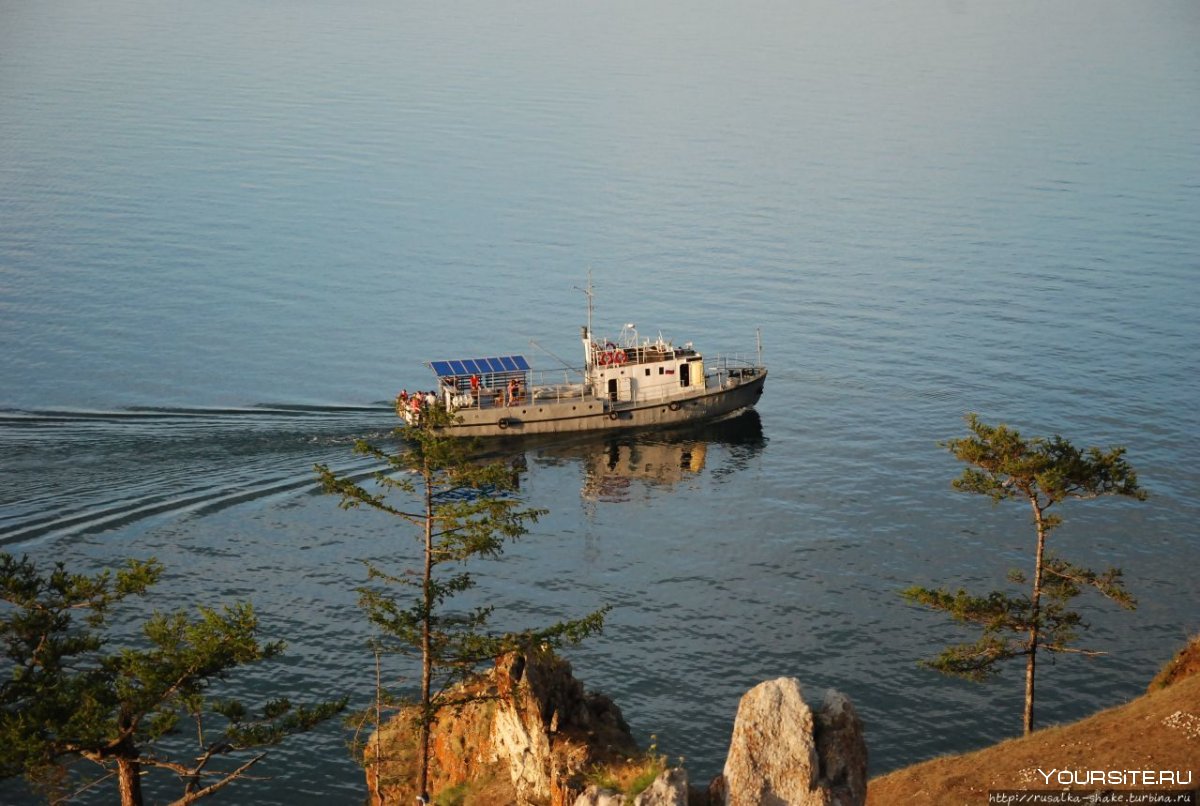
x=720, y=395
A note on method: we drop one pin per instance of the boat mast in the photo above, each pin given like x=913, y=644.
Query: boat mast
x=587, y=331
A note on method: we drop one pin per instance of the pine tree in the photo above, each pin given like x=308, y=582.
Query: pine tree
x=1043, y=472
x=65, y=695
x=461, y=510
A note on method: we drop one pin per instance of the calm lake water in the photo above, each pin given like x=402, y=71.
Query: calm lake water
x=231, y=231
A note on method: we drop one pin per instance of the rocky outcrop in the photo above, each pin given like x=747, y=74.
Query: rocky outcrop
x=548, y=731
x=526, y=733
x=785, y=754
x=842, y=750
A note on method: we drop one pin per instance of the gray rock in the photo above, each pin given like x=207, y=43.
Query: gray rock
x=670, y=788
x=842, y=750
x=784, y=754
x=595, y=796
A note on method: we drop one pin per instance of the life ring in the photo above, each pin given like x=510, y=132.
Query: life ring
x=619, y=357
x=673, y=405
x=606, y=358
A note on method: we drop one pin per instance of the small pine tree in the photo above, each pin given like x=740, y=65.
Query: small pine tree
x=1042, y=472
x=63, y=696
x=464, y=510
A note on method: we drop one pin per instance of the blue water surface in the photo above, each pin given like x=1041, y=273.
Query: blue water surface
x=231, y=231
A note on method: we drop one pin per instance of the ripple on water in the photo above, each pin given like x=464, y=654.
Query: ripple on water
x=927, y=212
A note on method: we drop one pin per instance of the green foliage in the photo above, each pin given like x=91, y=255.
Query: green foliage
x=1006, y=621
x=997, y=614
x=67, y=696
x=1002, y=465
x=460, y=509
x=1043, y=472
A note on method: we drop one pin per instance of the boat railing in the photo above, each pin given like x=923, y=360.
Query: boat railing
x=729, y=369
x=662, y=394
x=538, y=386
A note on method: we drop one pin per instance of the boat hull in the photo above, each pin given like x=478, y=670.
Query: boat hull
x=578, y=414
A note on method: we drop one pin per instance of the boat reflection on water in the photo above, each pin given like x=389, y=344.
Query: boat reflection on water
x=616, y=467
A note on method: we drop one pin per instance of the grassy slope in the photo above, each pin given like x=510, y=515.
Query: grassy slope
x=1158, y=731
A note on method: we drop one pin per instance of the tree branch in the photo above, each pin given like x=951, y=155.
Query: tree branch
x=84, y=788
x=1067, y=650
x=211, y=788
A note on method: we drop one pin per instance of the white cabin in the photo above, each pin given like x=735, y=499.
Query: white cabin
x=629, y=371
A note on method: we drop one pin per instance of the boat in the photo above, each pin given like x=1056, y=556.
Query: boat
x=625, y=383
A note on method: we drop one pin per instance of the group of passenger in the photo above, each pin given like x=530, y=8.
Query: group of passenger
x=509, y=395
x=514, y=392
x=482, y=395
x=411, y=405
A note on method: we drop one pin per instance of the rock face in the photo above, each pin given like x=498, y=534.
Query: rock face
x=670, y=788
x=548, y=731
x=842, y=750
x=527, y=735
x=785, y=754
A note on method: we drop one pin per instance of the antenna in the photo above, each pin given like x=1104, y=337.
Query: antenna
x=588, y=292
x=534, y=343
x=587, y=331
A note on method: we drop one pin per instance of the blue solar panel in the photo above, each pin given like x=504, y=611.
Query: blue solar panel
x=480, y=366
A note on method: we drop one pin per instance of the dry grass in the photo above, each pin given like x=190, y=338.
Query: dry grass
x=1184, y=665
x=1158, y=731
x=629, y=776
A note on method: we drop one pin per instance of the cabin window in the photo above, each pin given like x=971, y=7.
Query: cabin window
x=647, y=371
x=661, y=370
